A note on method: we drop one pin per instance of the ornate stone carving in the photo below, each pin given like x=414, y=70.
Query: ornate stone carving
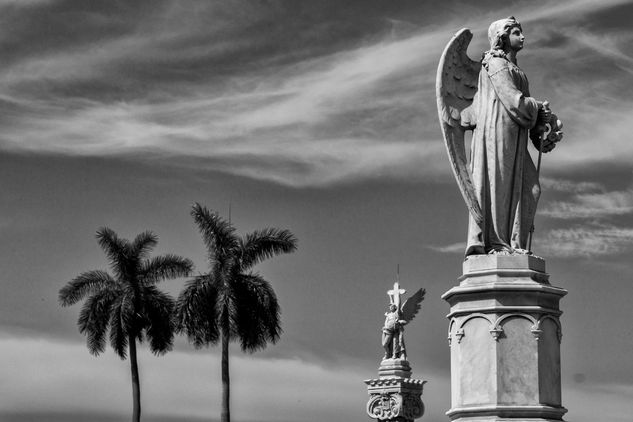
x=395, y=396
x=392, y=406
x=395, y=406
x=536, y=332
x=503, y=317
x=450, y=332
x=491, y=98
x=412, y=406
x=559, y=331
x=495, y=332
x=459, y=334
x=384, y=406
x=383, y=383
x=396, y=318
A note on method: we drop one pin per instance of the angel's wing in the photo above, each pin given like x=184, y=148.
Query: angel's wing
x=456, y=85
x=411, y=306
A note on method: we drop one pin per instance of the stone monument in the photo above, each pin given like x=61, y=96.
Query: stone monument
x=504, y=330
x=394, y=395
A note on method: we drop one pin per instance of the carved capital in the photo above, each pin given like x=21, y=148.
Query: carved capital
x=459, y=334
x=496, y=332
x=395, y=407
x=536, y=332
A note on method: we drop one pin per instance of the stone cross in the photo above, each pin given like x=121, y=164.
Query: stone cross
x=394, y=294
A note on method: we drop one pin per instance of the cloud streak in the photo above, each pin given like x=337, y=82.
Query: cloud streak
x=592, y=205
x=587, y=241
x=173, y=86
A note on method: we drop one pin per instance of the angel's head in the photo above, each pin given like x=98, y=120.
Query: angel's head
x=506, y=34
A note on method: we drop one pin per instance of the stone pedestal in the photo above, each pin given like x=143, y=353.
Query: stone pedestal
x=504, y=335
x=394, y=395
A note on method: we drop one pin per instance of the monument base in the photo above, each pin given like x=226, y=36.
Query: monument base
x=394, y=395
x=504, y=335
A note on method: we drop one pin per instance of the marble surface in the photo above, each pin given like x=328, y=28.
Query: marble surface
x=504, y=336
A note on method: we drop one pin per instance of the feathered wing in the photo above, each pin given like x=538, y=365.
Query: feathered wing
x=456, y=85
x=412, y=305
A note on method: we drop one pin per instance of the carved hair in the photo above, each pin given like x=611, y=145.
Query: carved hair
x=499, y=32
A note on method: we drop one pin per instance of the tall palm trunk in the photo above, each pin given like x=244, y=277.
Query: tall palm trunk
x=225, y=416
x=136, y=386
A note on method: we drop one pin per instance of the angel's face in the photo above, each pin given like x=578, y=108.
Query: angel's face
x=516, y=39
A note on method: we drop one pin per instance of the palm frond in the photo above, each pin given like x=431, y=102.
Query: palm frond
x=227, y=302
x=127, y=306
x=164, y=267
x=159, y=309
x=143, y=243
x=217, y=234
x=116, y=249
x=94, y=319
x=263, y=244
x=197, y=311
x=121, y=325
x=258, y=314
x=228, y=317
x=86, y=283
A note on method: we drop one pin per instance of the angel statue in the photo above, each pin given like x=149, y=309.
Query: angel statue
x=500, y=183
x=395, y=320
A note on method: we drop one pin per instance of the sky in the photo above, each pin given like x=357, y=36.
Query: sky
x=319, y=117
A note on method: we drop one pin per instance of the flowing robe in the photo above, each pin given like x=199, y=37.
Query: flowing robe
x=503, y=173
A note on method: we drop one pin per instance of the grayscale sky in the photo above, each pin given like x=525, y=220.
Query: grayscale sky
x=320, y=117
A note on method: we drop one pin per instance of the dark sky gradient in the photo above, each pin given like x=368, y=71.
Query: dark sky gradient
x=317, y=116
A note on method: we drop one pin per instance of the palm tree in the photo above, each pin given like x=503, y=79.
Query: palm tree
x=231, y=303
x=128, y=303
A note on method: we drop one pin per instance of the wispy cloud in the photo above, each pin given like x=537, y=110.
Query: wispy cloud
x=592, y=205
x=175, y=84
x=587, y=240
x=584, y=226
x=452, y=248
x=569, y=186
x=588, y=219
x=284, y=119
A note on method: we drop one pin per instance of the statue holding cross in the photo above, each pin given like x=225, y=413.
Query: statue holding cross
x=395, y=320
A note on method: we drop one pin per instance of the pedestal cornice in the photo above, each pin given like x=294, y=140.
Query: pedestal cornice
x=544, y=412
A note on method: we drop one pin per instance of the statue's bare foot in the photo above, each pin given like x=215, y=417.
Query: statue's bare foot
x=500, y=252
x=519, y=251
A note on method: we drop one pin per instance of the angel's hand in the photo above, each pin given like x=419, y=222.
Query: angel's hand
x=544, y=113
x=547, y=146
x=556, y=136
